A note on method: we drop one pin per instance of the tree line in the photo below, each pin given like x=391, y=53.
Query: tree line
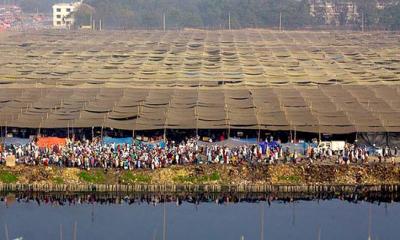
x=214, y=14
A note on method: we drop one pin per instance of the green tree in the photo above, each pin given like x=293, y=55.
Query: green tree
x=83, y=15
x=390, y=17
x=31, y=6
x=214, y=13
x=367, y=9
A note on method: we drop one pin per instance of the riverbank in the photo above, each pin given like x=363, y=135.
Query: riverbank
x=205, y=175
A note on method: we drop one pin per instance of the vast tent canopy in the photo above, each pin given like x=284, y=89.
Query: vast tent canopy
x=245, y=79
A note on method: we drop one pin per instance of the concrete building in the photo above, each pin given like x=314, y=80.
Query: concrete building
x=62, y=14
x=342, y=12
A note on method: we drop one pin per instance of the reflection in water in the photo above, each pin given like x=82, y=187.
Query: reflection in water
x=62, y=199
x=38, y=215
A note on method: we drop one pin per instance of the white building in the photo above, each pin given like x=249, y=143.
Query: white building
x=62, y=14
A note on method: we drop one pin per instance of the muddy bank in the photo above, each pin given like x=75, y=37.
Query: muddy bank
x=223, y=175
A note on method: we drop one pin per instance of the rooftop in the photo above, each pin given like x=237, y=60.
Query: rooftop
x=204, y=58
x=329, y=82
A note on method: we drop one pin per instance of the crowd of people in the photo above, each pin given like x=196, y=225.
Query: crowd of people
x=96, y=154
x=353, y=153
x=90, y=154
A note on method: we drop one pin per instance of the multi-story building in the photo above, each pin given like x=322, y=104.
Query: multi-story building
x=341, y=12
x=382, y=4
x=63, y=14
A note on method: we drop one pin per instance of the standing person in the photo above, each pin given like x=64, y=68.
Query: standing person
x=209, y=154
x=345, y=156
x=387, y=152
x=380, y=155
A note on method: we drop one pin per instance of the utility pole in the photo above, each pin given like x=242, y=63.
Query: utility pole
x=362, y=21
x=74, y=232
x=61, y=233
x=319, y=233
x=262, y=222
x=6, y=231
x=164, y=25
x=369, y=223
x=100, y=26
x=164, y=223
x=280, y=21
x=91, y=21
x=229, y=20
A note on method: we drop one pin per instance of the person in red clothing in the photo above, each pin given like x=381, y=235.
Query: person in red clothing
x=222, y=137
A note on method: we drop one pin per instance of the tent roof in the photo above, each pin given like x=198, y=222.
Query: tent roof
x=253, y=79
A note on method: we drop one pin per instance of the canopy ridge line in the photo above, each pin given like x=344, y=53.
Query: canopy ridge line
x=137, y=117
x=68, y=129
x=256, y=112
x=20, y=114
x=281, y=106
x=376, y=113
x=226, y=109
x=367, y=109
x=308, y=102
x=141, y=105
x=40, y=126
x=388, y=102
x=339, y=108
x=196, y=112
x=166, y=112
x=5, y=129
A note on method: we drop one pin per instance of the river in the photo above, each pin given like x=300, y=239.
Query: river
x=47, y=218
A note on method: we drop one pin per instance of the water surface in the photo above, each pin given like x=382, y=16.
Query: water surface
x=213, y=219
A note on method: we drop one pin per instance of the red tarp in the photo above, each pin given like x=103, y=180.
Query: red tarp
x=51, y=141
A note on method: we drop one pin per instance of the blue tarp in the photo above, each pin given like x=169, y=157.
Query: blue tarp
x=117, y=141
x=245, y=140
x=151, y=145
x=16, y=141
x=271, y=145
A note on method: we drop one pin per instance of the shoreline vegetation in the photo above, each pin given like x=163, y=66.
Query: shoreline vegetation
x=208, y=178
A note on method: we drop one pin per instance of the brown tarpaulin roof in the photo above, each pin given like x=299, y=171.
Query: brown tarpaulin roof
x=247, y=57
x=336, y=109
x=252, y=79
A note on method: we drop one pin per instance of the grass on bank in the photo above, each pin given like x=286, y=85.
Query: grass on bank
x=215, y=176
x=95, y=177
x=289, y=179
x=8, y=177
x=58, y=180
x=128, y=177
